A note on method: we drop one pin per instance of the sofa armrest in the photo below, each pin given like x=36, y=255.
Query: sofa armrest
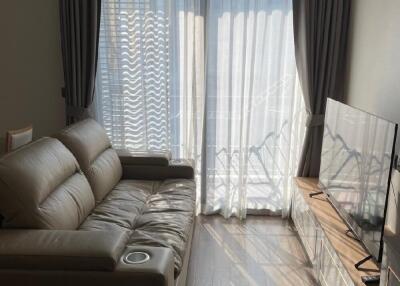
x=176, y=169
x=150, y=158
x=60, y=249
x=158, y=271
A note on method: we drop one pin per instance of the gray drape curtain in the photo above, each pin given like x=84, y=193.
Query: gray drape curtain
x=320, y=34
x=80, y=22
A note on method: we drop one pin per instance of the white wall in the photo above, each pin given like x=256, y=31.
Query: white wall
x=374, y=63
x=31, y=74
x=374, y=68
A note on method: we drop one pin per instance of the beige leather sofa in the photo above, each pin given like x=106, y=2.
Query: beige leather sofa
x=74, y=209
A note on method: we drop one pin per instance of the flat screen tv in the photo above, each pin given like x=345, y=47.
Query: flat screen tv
x=356, y=165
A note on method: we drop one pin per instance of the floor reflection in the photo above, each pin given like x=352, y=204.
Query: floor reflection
x=259, y=251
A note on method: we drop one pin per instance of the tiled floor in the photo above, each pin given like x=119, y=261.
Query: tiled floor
x=260, y=251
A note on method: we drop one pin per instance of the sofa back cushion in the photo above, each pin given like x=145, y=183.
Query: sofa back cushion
x=41, y=186
x=88, y=141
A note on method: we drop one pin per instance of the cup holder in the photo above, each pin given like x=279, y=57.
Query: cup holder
x=136, y=257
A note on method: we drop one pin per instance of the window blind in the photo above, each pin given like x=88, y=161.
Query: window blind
x=133, y=74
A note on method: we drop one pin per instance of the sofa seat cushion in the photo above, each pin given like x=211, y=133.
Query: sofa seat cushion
x=157, y=213
x=167, y=219
x=121, y=207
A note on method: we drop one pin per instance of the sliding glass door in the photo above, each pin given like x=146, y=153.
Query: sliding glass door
x=210, y=80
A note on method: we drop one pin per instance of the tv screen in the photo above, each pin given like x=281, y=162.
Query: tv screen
x=356, y=163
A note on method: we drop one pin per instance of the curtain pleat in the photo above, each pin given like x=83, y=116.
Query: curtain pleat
x=320, y=32
x=79, y=22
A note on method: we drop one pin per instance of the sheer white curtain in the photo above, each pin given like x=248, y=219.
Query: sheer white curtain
x=251, y=107
x=235, y=111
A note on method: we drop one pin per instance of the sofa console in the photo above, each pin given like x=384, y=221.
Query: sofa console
x=324, y=235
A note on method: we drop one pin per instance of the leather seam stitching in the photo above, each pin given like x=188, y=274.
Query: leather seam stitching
x=58, y=186
x=98, y=155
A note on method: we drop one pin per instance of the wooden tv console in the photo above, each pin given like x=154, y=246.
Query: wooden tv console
x=323, y=233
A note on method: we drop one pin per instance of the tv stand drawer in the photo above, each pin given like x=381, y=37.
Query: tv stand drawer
x=390, y=275
x=306, y=226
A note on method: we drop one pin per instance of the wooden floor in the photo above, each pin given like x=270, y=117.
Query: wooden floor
x=260, y=251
